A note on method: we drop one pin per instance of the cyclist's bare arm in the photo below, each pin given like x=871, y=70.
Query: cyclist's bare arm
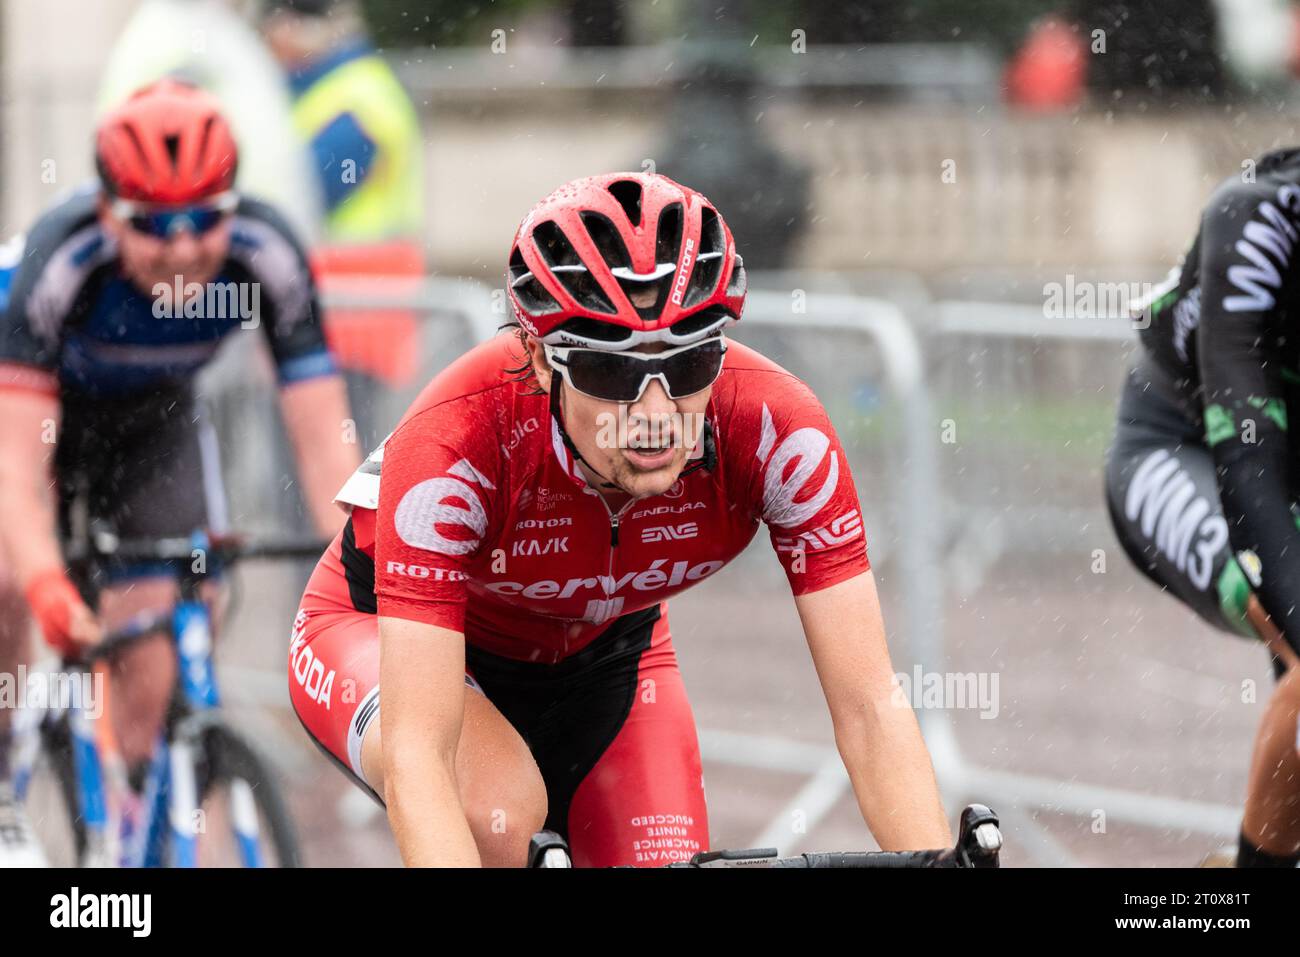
x=1268, y=631
x=422, y=674
x=876, y=732
x=28, y=421
x=317, y=418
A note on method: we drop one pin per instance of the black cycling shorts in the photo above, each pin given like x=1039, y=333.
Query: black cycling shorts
x=148, y=465
x=568, y=713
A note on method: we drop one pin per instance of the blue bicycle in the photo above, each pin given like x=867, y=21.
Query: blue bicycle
x=208, y=798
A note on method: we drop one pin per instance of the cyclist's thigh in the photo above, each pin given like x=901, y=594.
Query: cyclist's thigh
x=643, y=801
x=334, y=688
x=1164, y=506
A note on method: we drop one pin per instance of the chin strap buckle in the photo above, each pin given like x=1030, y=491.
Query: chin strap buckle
x=709, y=460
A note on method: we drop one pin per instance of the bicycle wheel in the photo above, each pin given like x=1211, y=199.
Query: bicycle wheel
x=244, y=821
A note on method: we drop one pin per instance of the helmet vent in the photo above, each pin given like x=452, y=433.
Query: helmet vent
x=134, y=137
x=203, y=140
x=668, y=241
x=607, y=240
x=737, y=282
x=628, y=194
x=647, y=292
x=595, y=330
x=567, y=267
x=173, y=146
x=532, y=295
x=708, y=262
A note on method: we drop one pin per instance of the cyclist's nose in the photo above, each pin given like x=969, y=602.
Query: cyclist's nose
x=654, y=400
x=183, y=244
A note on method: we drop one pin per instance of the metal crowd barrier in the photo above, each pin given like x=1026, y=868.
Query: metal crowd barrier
x=918, y=495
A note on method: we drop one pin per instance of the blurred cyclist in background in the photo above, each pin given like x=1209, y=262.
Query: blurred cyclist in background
x=208, y=43
x=504, y=573
x=119, y=297
x=363, y=135
x=1203, y=477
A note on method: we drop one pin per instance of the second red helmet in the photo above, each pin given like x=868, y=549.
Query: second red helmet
x=168, y=144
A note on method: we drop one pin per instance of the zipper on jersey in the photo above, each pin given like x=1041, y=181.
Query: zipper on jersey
x=614, y=519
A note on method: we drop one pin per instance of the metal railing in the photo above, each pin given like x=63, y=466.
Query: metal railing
x=1083, y=356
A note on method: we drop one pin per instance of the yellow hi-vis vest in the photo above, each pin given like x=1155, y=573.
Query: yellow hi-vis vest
x=389, y=202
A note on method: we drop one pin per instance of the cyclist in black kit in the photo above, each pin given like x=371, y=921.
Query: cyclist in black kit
x=1202, y=478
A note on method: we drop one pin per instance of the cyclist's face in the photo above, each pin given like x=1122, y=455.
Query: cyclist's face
x=149, y=260
x=641, y=446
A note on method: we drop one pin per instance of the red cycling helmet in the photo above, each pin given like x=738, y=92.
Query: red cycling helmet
x=167, y=144
x=613, y=260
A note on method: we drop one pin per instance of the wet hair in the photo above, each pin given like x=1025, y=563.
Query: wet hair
x=524, y=372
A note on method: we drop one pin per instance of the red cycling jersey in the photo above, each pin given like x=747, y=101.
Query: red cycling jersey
x=474, y=516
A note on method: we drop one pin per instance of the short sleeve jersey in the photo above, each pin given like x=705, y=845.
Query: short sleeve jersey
x=474, y=516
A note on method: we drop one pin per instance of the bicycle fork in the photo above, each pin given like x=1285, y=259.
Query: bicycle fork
x=193, y=630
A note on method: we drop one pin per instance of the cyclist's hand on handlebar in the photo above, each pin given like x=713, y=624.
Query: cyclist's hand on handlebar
x=66, y=623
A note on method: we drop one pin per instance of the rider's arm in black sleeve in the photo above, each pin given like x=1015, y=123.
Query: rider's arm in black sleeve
x=1247, y=252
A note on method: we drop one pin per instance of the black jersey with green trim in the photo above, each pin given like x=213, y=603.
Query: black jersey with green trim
x=1222, y=339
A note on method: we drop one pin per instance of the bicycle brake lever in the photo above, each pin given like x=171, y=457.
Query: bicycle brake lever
x=979, y=839
x=548, y=849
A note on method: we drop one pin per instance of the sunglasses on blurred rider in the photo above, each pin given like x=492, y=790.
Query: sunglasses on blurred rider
x=163, y=221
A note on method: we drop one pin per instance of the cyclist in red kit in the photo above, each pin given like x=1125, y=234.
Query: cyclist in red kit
x=504, y=574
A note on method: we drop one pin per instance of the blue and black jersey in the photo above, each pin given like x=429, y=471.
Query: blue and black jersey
x=70, y=311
